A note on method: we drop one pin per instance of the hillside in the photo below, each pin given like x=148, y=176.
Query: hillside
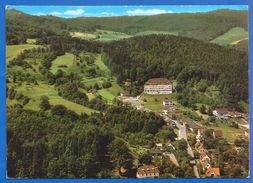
x=203, y=26
x=187, y=60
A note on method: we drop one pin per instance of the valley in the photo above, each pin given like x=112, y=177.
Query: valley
x=120, y=94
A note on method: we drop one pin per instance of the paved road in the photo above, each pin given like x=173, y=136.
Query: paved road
x=182, y=135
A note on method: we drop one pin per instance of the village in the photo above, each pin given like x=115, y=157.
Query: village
x=203, y=160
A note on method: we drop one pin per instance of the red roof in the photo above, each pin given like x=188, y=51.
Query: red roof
x=158, y=81
x=147, y=169
x=215, y=171
x=222, y=111
x=218, y=133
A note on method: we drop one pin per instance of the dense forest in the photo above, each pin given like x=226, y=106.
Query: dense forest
x=203, y=26
x=187, y=60
x=52, y=143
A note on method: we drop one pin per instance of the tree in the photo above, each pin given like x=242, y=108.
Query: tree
x=119, y=153
x=44, y=103
x=58, y=110
x=145, y=158
x=203, y=109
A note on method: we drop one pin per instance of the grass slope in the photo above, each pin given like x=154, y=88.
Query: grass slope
x=64, y=60
x=12, y=51
x=233, y=36
x=36, y=91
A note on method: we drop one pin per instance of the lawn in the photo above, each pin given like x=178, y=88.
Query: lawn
x=64, y=60
x=105, y=70
x=13, y=51
x=36, y=91
x=229, y=133
x=155, y=102
x=110, y=93
x=233, y=36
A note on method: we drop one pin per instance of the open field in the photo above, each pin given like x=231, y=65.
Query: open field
x=63, y=62
x=233, y=36
x=36, y=91
x=13, y=51
x=83, y=35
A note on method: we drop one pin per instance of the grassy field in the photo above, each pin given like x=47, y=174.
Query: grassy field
x=229, y=133
x=36, y=91
x=13, y=51
x=233, y=36
x=66, y=60
x=155, y=102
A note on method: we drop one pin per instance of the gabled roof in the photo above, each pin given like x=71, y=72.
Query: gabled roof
x=218, y=133
x=210, y=171
x=222, y=111
x=162, y=81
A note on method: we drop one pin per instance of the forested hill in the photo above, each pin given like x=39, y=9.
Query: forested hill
x=185, y=59
x=203, y=26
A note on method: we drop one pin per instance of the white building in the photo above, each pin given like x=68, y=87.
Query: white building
x=156, y=86
x=147, y=171
x=167, y=102
x=221, y=113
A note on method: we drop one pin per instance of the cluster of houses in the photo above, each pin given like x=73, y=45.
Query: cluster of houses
x=147, y=171
x=204, y=156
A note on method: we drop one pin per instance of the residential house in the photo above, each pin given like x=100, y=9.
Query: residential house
x=147, y=171
x=168, y=109
x=217, y=133
x=204, y=160
x=221, y=113
x=194, y=127
x=213, y=172
x=167, y=102
x=156, y=86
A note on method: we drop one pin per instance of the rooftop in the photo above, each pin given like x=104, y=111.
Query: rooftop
x=222, y=111
x=147, y=169
x=218, y=133
x=159, y=81
x=215, y=171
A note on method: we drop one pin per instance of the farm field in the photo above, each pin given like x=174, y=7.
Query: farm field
x=13, y=51
x=233, y=36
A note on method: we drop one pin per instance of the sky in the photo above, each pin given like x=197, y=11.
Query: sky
x=103, y=11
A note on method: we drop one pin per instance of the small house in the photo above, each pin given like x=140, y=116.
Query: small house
x=213, y=172
x=167, y=102
x=221, y=113
x=217, y=133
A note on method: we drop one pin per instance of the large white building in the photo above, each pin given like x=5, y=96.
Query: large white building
x=156, y=86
